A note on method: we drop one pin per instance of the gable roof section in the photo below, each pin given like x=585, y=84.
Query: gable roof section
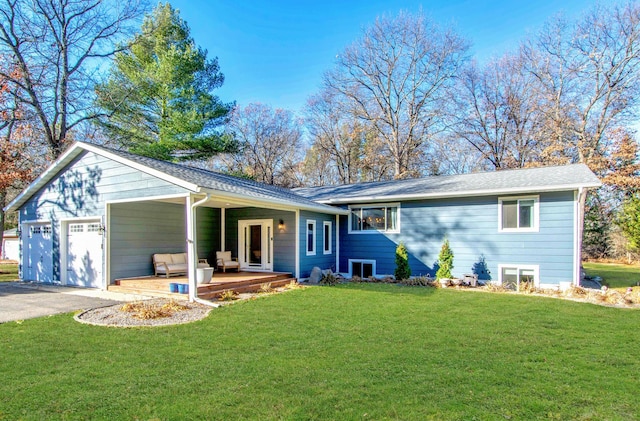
x=192, y=179
x=520, y=181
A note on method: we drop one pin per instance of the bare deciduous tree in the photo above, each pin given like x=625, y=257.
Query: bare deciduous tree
x=57, y=47
x=588, y=77
x=395, y=78
x=269, y=142
x=336, y=135
x=496, y=112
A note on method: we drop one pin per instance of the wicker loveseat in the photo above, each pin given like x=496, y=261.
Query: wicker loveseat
x=173, y=264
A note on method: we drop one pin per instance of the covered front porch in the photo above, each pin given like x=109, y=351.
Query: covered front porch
x=262, y=240
x=236, y=281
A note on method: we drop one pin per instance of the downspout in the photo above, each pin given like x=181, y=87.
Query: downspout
x=191, y=243
x=582, y=197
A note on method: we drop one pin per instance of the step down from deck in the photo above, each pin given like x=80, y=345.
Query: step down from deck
x=239, y=283
x=213, y=293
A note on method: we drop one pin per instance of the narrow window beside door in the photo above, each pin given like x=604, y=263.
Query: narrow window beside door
x=327, y=237
x=311, y=237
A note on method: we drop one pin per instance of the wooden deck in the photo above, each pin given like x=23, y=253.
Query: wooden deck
x=239, y=282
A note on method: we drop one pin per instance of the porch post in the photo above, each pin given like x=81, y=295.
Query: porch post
x=191, y=247
x=223, y=225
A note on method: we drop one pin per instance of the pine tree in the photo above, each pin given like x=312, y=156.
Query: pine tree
x=158, y=100
x=445, y=261
x=403, y=270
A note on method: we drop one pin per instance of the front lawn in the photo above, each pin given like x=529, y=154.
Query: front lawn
x=8, y=272
x=615, y=275
x=347, y=352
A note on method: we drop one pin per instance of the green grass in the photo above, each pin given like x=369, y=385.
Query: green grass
x=345, y=352
x=614, y=275
x=8, y=272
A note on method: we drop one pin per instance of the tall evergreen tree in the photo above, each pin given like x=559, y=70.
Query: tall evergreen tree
x=158, y=100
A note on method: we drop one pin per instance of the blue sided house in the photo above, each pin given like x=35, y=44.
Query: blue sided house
x=97, y=215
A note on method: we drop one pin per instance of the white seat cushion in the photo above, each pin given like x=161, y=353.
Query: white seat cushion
x=162, y=258
x=179, y=258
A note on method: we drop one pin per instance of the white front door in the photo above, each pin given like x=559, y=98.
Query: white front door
x=84, y=254
x=255, y=245
x=38, y=254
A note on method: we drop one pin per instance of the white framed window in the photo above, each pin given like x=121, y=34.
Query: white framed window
x=513, y=275
x=311, y=237
x=519, y=214
x=326, y=237
x=362, y=268
x=374, y=218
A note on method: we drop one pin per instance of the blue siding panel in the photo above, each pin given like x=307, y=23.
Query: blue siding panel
x=321, y=260
x=471, y=226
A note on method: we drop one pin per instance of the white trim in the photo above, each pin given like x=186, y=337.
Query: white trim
x=297, y=243
x=370, y=261
x=266, y=233
x=326, y=224
x=311, y=252
x=576, y=251
x=578, y=221
x=223, y=228
x=536, y=213
x=190, y=223
x=338, y=243
x=519, y=267
x=107, y=246
x=375, y=205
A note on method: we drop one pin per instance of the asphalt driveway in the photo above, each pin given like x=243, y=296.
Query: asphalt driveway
x=19, y=302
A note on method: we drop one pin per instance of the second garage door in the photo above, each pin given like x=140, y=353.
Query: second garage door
x=84, y=254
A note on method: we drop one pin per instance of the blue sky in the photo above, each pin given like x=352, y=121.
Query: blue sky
x=275, y=52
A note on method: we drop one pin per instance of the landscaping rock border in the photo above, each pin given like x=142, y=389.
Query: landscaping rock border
x=114, y=316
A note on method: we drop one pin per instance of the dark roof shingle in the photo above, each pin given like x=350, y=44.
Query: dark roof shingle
x=567, y=177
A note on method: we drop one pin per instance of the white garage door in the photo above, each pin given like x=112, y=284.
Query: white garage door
x=38, y=256
x=84, y=254
x=10, y=249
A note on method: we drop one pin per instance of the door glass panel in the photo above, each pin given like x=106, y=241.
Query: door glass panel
x=269, y=245
x=255, y=245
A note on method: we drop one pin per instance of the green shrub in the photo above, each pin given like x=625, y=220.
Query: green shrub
x=445, y=261
x=403, y=271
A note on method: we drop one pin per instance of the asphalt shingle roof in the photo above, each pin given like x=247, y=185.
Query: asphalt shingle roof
x=567, y=177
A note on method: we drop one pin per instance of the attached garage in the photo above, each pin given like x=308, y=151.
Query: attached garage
x=84, y=255
x=38, y=261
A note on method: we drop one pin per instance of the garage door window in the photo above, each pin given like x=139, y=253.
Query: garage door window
x=76, y=228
